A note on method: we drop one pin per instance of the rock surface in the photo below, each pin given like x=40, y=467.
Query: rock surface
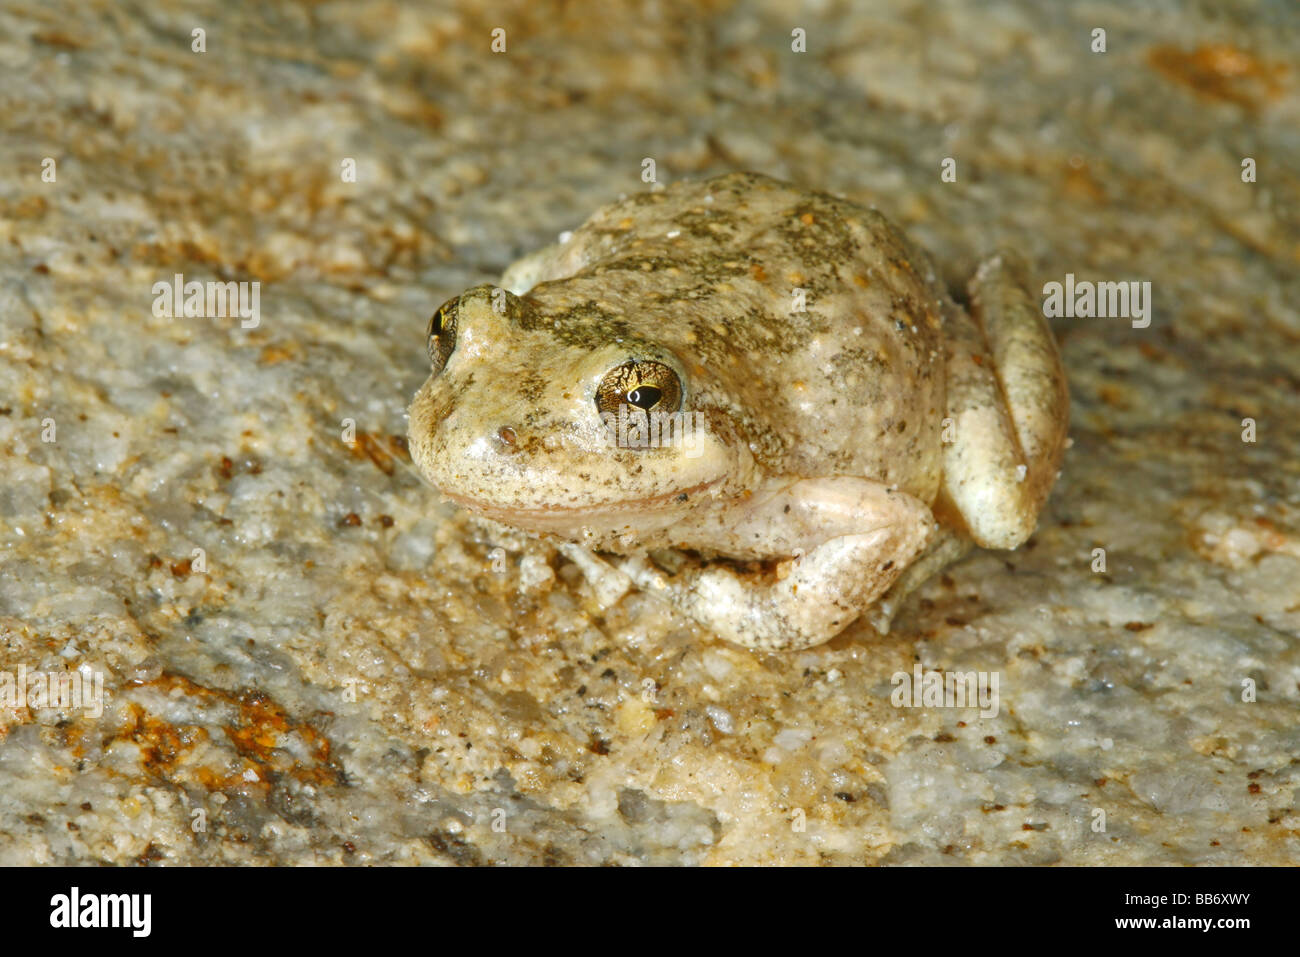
x=307, y=659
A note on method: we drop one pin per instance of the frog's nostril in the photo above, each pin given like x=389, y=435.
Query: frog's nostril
x=507, y=437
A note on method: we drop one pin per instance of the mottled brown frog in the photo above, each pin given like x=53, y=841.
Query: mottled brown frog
x=758, y=401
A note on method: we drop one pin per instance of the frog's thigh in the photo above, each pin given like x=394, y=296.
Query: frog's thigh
x=876, y=534
x=1010, y=409
x=559, y=260
x=525, y=273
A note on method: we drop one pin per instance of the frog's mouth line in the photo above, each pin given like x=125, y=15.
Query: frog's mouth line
x=508, y=514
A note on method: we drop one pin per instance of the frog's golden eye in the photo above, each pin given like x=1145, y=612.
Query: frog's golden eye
x=442, y=333
x=647, y=385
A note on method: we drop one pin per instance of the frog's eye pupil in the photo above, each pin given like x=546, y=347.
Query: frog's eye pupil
x=639, y=384
x=645, y=397
x=442, y=334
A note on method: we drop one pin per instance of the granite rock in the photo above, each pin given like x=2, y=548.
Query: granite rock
x=307, y=659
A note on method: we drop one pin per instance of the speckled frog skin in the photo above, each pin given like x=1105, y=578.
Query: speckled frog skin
x=844, y=428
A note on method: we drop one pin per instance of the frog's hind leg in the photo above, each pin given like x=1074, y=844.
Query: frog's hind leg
x=1009, y=406
x=545, y=265
x=559, y=260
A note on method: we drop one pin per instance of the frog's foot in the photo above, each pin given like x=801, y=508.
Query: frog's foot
x=945, y=548
x=608, y=584
x=873, y=534
x=1009, y=404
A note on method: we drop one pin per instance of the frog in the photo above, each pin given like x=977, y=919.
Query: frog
x=836, y=427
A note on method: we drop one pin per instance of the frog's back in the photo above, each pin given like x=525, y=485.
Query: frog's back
x=806, y=320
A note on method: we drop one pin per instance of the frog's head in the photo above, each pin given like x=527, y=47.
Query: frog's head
x=550, y=421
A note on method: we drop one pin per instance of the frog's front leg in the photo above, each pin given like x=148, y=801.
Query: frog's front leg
x=946, y=546
x=852, y=539
x=1009, y=406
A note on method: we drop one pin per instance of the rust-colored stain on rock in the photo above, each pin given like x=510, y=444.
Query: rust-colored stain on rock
x=1220, y=71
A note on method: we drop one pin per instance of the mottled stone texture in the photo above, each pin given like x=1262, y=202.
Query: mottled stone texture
x=348, y=672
